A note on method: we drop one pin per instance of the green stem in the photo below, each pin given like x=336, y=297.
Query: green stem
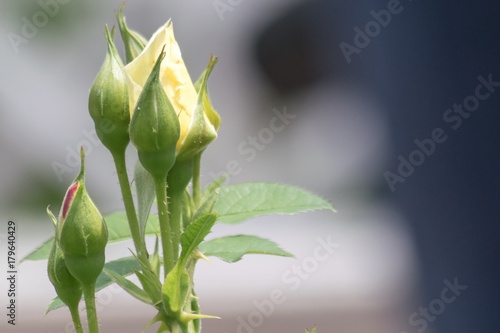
x=196, y=180
x=133, y=222
x=75, y=315
x=175, y=209
x=165, y=227
x=89, y=293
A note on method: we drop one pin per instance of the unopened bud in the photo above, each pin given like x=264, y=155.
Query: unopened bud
x=82, y=232
x=109, y=101
x=66, y=286
x=154, y=128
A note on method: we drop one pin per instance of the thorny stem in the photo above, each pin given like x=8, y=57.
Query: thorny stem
x=165, y=227
x=89, y=293
x=133, y=222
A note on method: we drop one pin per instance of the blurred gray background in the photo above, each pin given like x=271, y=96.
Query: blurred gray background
x=352, y=118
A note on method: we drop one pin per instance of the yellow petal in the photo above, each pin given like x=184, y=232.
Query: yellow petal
x=174, y=76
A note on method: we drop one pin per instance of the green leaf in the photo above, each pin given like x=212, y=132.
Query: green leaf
x=128, y=286
x=118, y=231
x=155, y=259
x=233, y=248
x=213, y=186
x=40, y=253
x=238, y=203
x=194, y=234
x=207, y=204
x=145, y=186
x=151, y=286
x=149, y=280
x=123, y=267
x=175, y=290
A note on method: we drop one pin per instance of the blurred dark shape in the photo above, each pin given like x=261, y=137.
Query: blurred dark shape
x=287, y=51
x=426, y=59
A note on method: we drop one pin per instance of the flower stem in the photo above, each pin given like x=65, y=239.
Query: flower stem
x=121, y=170
x=165, y=227
x=196, y=180
x=175, y=209
x=75, y=315
x=89, y=293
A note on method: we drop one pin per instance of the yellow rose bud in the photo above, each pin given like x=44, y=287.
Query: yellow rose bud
x=154, y=129
x=198, y=120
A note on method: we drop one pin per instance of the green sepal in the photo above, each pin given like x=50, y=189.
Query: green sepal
x=201, y=132
x=154, y=128
x=66, y=286
x=133, y=42
x=109, y=102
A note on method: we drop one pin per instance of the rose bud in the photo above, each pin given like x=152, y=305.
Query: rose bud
x=154, y=128
x=67, y=287
x=82, y=232
x=109, y=101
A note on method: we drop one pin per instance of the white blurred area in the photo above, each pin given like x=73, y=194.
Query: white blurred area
x=334, y=146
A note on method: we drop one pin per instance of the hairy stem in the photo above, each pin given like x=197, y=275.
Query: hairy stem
x=196, y=180
x=75, y=315
x=175, y=209
x=165, y=227
x=89, y=293
x=133, y=222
